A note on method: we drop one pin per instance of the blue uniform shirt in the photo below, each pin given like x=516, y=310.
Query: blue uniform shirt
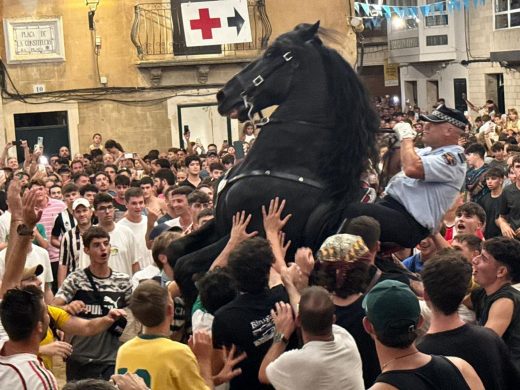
x=428, y=199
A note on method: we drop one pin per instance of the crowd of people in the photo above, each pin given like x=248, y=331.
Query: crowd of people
x=87, y=277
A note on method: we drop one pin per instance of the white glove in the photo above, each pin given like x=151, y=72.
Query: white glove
x=404, y=131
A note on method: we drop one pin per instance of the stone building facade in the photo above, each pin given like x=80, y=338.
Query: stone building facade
x=125, y=79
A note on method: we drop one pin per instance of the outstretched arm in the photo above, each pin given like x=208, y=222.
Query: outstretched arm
x=28, y=213
x=273, y=225
x=238, y=234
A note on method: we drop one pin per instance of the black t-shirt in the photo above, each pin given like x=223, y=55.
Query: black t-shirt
x=246, y=322
x=482, y=304
x=492, y=208
x=392, y=271
x=510, y=205
x=188, y=183
x=351, y=318
x=118, y=206
x=482, y=348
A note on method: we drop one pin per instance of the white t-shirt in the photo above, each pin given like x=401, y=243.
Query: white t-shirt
x=24, y=371
x=122, y=252
x=5, y=223
x=145, y=274
x=138, y=230
x=323, y=365
x=36, y=256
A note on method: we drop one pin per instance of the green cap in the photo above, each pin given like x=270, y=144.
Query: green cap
x=392, y=308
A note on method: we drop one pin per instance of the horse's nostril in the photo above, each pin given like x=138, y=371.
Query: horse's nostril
x=220, y=95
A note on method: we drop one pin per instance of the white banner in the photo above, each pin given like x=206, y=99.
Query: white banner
x=216, y=22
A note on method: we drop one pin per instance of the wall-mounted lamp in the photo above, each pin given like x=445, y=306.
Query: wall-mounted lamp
x=357, y=24
x=92, y=5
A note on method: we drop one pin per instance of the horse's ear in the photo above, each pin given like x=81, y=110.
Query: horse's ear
x=308, y=31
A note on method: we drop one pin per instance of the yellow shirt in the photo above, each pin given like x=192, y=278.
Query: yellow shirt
x=58, y=318
x=161, y=362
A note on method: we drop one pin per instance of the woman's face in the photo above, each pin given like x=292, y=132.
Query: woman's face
x=250, y=130
x=513, y=116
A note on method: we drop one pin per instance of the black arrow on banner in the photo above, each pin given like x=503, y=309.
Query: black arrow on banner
x=236, y=21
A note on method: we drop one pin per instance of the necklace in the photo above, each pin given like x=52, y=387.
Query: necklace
x=397, y=358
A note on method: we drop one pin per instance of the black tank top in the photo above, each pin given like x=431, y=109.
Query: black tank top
x=439, y=373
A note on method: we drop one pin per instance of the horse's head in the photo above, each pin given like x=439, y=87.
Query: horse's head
x=267, y=81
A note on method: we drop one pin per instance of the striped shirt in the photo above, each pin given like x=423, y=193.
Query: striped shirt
x=23, y=371
x=53, y=209
x=71, y=250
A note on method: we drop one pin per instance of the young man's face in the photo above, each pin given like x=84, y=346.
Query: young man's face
x=485, y=269
x=205, y=219
x=196, y=208
x=70, y=197
x=194, y=168
x=120, y=190
x=427, y=248
x=98, y=250
x=111, y=173
x=64, y=152
x=516, y=169
x=216, y=173
x=181, y=176
x=158, y=185
x=105, y=213
x=77, y=167
x=179, y=204
x=135, y=205
x=83, y=215
x=466, y=251
x=108, y=159
x=147, y=190
x=494, y=182
x=466, y=224
x=12, y=163
x=102, y=183
x=89, y=195
x=500, y=155
x=55, y=193
x=473, y=159
x=82, y=181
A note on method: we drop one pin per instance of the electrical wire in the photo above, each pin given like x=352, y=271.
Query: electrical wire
x=92, y=95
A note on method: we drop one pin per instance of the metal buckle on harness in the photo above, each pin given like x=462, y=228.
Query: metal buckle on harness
x=258, y=80
x=287, y=56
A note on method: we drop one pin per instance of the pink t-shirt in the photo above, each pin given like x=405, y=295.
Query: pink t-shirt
x=53, y=209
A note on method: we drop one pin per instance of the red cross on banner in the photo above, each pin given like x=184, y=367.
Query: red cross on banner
x=205, y=23
x=217, y=22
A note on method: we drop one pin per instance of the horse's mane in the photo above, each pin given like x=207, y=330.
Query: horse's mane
x=353, y=144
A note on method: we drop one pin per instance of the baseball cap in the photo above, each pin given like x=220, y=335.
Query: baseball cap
x=211, y=153
x=164, y=227
x=32, y=271
x=443, y=114
x=392, y=308
x=82, y=202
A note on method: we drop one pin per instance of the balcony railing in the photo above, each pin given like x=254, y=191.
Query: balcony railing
x=157, y=34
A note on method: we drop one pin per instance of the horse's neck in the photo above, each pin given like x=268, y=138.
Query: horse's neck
x=308, y=101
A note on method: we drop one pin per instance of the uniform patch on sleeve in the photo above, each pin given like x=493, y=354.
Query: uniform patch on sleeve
x=449, y=159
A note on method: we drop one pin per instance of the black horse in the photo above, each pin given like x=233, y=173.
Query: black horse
x=311, y=152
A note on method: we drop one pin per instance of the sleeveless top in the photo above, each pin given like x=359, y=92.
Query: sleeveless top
x=439, y=374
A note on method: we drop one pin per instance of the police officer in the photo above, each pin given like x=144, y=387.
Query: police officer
x=430, y=180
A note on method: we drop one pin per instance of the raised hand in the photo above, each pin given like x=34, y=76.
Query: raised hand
x=283, y=319
x=305, y=260
x=228, y=372
x=238, y=230
x=56, y=348
x=32, y=206
x=273, y=222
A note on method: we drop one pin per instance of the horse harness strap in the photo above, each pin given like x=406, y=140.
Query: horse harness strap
x=267, y=120
x=278, y=175
x=258, y=80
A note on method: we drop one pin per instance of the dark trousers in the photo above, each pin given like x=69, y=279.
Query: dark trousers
x=76, y=370
x=397, y=225
x=54, y=267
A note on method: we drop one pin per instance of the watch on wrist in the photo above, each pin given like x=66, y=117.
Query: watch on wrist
x=280, y=338
x=24, y=230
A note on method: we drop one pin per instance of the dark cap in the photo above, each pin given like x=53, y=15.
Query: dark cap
x=211, y=153
x=31, y=272
x=392, y=308
x=443, y=114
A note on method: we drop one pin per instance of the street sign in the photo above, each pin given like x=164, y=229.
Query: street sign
x=216, y=22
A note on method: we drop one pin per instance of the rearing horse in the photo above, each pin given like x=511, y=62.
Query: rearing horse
x=311, y=152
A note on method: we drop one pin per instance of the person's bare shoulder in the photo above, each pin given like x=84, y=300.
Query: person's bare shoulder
x=468, y=372
x=383, y=386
